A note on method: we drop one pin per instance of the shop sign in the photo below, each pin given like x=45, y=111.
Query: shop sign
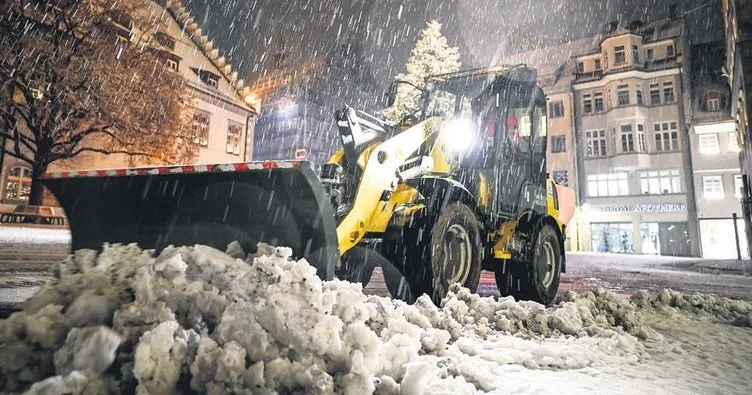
x=643, y=208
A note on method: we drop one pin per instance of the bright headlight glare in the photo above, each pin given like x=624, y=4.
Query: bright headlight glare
x=460, y=134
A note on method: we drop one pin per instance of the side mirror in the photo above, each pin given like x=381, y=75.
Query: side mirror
x=391, y=95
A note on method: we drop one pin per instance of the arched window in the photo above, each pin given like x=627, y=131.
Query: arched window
x=18, y=184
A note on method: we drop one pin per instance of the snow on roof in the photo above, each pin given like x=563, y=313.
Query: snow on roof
x=180, y=13
x=554, y=60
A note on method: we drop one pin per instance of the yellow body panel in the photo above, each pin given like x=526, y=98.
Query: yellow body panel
x=440, y=154
x=379, y=175
x=337, y=156
x=403, y=196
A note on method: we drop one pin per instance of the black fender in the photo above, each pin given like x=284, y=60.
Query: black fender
x=441, y=191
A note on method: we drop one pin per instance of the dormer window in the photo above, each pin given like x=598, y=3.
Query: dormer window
x=207, y=77
x=165, y=40
x=580, y=67
x=619, y=57
x=712, y=101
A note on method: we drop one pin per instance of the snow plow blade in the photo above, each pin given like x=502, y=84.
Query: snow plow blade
x=278, y=203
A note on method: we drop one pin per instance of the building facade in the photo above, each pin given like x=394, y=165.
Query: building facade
x=223, y=120
x=715, y=155
x=737, y=24
x=633, y=165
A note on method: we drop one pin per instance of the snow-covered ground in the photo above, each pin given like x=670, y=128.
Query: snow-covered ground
x=21, y=235
x=229, y=323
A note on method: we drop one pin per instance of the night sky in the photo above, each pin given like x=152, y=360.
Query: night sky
x=249, y=31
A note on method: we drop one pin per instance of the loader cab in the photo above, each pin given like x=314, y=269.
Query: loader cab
x=508, y=138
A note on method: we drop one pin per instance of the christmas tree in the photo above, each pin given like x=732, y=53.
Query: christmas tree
x=432, y=55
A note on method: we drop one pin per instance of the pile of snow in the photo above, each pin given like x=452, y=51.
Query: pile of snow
x=198, y=319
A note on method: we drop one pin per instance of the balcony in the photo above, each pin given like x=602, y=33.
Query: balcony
x=647, y=66
x=662, y=64
x=588, y=76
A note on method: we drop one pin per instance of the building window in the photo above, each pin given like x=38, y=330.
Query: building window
x=738, y=186
x=556, y=109
x=733, y=142
x=709, y=143
x=558, y=144
x=670, y=51
x=642, y=145
x=560, y=177
x=234, y=133
x=619, y=55
x=172, y=64
x=165, y=40
x=611, y=184
x=712, y=187
x=635, y=54
x=596, y=143
x=580, y=67
x=666, y=136
x=623, y=95
x=587, y=104
x=655, y=94
x=713, y=104
x=201, y=128
x=668, y=92
x=660, y=182
x=18, y=184
x=597, y=65
x=207, y=77
x=627, y=139
x=121, y=41
x=639, y=97
x=598, y=102
x=649, y=54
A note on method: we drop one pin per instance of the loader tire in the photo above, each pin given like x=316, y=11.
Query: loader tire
x=537, y=280
x=437, y=250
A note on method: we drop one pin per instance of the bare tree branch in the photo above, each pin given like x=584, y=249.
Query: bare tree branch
x=110, y=152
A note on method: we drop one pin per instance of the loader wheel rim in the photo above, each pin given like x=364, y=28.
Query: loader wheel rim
x=457, y=254
x=547, y=264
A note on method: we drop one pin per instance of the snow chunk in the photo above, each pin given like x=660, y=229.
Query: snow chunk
x=160, y=355
x=91, y=348
x=73, y=383
x=197, y=319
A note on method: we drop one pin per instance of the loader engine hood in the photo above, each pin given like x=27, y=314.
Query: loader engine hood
x=279, y=203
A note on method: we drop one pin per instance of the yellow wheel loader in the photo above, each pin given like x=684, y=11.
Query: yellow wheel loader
x=458, y=187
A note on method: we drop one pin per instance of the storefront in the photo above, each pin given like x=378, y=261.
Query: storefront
x=637, y=228
x=719, y=238
x=612, y=237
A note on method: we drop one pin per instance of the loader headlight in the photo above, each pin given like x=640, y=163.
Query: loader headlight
x=461, y=134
